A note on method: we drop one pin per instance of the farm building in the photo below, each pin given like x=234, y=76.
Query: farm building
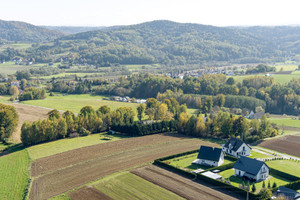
x=210, y=156
x=252, y=169
x=257, y=115
x=287, y=193
x=236, y=147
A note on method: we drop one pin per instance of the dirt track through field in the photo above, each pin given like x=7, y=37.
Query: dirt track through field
x=91, y=163
x=289, y=144
x=179, y=185
x=88, y=193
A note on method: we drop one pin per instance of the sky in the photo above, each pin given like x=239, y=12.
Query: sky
x=126, y=12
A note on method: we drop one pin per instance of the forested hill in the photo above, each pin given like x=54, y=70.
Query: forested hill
x=15, y=31
x=170, y=43
x=287, y=38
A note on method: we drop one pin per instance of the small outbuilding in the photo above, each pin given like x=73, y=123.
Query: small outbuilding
x=252, y=169
x=210, y=156
x=236, y=147
x=287, y=193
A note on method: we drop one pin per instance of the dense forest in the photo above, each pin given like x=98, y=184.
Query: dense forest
x=164, y=42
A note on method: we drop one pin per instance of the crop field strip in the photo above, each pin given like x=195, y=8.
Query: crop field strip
x=179, y=185
x=289, y=144
x=59, y=178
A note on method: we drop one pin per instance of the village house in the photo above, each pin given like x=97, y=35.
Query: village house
x=252, y=169
x=236, y=148
x=257, y=115
x=210, y=156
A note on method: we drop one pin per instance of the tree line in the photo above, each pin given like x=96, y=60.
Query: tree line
x=225, y=125
x=8, y=121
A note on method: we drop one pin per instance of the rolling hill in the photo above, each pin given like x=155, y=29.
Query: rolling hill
x=23, y=32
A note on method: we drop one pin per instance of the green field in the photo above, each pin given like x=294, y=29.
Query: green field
x=287, y=166
x=75, y=102
x=59, y=146
x=125, y=185
x=286, y=122
x=279, y=78
x=185, y=162
x=236, y=181
x=66, y=74
x=18, y=46
x=285, y=67
x=14, y=175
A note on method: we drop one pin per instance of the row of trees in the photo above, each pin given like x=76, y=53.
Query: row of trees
x=224, y=125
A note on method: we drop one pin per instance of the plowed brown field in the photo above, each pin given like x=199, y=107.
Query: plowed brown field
x=289, y=144
x=88, y=193
x=57, y=174
x=179, y=185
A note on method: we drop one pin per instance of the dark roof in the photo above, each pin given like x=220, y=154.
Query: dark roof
x=287, y=192
x=235, y=143
x=249, y=165
x=209, y=153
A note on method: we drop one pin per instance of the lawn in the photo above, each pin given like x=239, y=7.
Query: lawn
x=14, y=175
x=255, y=154
x=286, y=122
x=75, y=102
x=287, y=166
x=59, y=146
x=236, y=181
x=125, y=185
x=185, y=162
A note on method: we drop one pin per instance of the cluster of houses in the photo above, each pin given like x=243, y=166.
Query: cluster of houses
x=200, y=72
x=127, y=99
x=245, y=167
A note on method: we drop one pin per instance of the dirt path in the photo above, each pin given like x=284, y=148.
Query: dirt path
x=94, y=166
x=179, y=185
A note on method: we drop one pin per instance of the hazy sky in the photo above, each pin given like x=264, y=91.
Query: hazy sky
x=124, y=12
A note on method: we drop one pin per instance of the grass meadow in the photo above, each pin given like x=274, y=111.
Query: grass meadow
x=59, y=146
x=127, y=186
x=75, y=102
x=288, y=166
x=14, y=175
x=286, y=122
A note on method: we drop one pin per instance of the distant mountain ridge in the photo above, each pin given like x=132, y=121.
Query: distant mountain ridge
x=16, y=31
x=69, y=30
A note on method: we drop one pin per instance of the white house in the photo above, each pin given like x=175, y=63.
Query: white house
x=252, y=169
x=210, y=156
x=236, y=147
